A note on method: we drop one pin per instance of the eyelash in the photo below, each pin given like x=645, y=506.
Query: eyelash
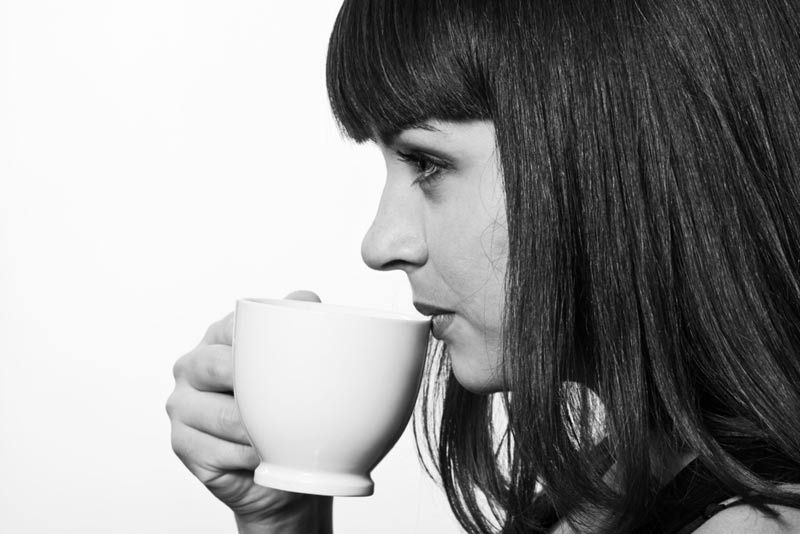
x=420, y=162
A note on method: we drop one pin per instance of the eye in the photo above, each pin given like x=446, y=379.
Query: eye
x=428, y=169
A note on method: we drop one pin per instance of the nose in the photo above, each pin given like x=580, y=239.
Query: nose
x=396, y=239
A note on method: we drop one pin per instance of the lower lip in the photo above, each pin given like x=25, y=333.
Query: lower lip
x=440, y=323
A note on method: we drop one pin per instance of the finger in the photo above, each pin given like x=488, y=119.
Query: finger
x=213, y=413
x=303, y=294
x=207, y=368
x=220, y=332
x=207, y=456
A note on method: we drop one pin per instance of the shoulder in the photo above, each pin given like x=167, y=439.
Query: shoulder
x=744, y=519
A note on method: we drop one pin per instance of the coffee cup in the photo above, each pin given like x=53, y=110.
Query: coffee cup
x=324, y=391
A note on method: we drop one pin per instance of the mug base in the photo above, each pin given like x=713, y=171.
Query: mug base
x=301, y=480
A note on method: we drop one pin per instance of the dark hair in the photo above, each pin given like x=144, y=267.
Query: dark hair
x=650, y=153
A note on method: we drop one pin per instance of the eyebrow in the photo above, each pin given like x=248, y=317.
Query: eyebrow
x=390, y=136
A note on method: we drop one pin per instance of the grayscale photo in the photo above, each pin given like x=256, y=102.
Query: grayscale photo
x=400, y=267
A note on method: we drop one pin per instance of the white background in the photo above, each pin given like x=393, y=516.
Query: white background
x=158, y=160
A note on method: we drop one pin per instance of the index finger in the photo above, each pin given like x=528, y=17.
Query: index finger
x=220, y=332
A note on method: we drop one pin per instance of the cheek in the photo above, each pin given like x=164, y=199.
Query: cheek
x=453, y=248
x=494, y=244
x=471, y=257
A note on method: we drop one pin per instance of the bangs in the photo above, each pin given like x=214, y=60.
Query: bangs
x=393, y=64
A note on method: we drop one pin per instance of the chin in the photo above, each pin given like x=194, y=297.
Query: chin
x=475, y=378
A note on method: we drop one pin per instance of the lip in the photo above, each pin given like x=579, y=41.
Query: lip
x=440, y=323
x=429, y=309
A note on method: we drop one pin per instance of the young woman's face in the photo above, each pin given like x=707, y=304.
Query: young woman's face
x=441, y=219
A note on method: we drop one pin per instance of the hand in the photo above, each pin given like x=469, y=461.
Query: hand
x=210, y=440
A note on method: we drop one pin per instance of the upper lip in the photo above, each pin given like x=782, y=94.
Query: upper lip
x=429, y=309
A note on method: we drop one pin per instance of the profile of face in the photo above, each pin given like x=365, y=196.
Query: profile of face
x=441, y=220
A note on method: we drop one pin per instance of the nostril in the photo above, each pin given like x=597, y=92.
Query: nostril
x=393, y=265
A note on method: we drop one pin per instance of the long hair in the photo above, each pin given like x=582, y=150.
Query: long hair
x=650, y=154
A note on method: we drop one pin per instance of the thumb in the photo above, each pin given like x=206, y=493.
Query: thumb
x=221, y=332
x=302, y=294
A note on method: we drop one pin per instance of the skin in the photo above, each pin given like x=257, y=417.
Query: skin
x=209, y=438
x=449, y=237
x=451, y=240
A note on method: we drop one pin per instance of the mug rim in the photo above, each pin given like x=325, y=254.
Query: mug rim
x=324, y=307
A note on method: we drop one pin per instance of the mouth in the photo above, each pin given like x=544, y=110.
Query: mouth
x=440, y=318
x=428, y=309
x=440, y=324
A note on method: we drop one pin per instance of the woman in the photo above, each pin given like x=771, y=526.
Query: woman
x=601, y=203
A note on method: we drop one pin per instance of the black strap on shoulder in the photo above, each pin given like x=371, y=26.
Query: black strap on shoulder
x=684, y=501
x=708, y=513
x=693, y=497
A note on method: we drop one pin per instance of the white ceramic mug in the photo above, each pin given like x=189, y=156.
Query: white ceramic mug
x=324, y=391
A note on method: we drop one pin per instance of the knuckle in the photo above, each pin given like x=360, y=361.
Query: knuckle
x=177, y=368
x=217, y=368
x=173, y=405
x=183, y=364
x=212, y=370
x=178, y=442
x=170, y=405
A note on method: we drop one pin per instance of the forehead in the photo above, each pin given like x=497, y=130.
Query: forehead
x=473, y=132
x=389, y=137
